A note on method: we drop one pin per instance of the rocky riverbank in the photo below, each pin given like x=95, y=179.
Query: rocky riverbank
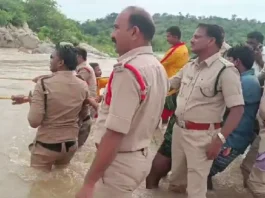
x=26, y=41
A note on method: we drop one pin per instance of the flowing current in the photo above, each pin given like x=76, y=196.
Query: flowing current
x=18, y=180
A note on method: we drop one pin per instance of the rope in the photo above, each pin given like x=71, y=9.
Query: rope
x=15, y=78
x=5, y=98
x=27, y=79
x=10, y=78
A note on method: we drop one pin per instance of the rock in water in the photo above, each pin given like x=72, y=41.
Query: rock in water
x=17, y=37
x=92, y=51
x=44, y=48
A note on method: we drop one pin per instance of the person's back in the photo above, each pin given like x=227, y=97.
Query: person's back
x=244, y=134
x=55, y=107
x=86, y=72
x=66, y=94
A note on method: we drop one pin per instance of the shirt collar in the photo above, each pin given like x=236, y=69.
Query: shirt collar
x=209, y=61
x=64, y=73
x=248, y=72
x=135, y=52
x=83, y=64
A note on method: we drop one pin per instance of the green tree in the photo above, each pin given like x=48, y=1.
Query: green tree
x=44, y=17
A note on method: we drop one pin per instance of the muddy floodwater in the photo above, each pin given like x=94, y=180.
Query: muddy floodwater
x=18, y=180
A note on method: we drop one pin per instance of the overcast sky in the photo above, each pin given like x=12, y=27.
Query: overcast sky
x=82, y=10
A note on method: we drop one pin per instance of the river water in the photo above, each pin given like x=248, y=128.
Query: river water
x=18, y=180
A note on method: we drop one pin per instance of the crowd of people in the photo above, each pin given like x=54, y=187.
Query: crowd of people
x=212, y=106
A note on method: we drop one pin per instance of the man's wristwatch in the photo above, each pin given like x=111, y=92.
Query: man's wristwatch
x=221, y=137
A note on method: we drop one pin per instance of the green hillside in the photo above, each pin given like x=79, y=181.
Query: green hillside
x=44, y=17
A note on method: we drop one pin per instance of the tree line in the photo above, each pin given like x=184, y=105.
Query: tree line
x=44, y=18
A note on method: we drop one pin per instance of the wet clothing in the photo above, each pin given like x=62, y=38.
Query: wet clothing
x=54, y=109
x=87, y=73
x=165, y=148
x=226, y=156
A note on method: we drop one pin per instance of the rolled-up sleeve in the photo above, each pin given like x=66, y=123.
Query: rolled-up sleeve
x=124, y=102
x=36, y=110
x=231, y=87
x=175, y=81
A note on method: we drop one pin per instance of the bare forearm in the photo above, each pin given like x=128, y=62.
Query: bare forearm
x=107, y=151
x=232, y=120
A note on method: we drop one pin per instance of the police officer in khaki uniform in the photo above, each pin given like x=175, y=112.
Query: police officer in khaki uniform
x=87, y=73
x=256, y=180
x=125, y=126
x=55, y=106
x=207, y=85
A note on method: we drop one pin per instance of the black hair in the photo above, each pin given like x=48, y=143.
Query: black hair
x=143, y=21
x=214, y=31
x=81, y=52
x=256, y=35
x=67, y=53
x=244, y=53
x=94, y=65
x=174, y=31
x=222, y=30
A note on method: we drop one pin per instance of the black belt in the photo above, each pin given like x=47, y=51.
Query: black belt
x=57, y=147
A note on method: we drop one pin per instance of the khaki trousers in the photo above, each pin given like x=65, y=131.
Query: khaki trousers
x=124, y=175
x=44, y=159
x=189, y=161
x=256, y=179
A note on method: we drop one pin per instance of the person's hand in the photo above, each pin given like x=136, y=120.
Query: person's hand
x=19, y=99
x=214, y=148
x=99, y=99
x=85, y=192
x=93, y=103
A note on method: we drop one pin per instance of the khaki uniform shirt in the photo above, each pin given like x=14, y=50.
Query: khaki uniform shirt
x=89, y=77
x=196, y=78
x=126, y=114
x=65, y=97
